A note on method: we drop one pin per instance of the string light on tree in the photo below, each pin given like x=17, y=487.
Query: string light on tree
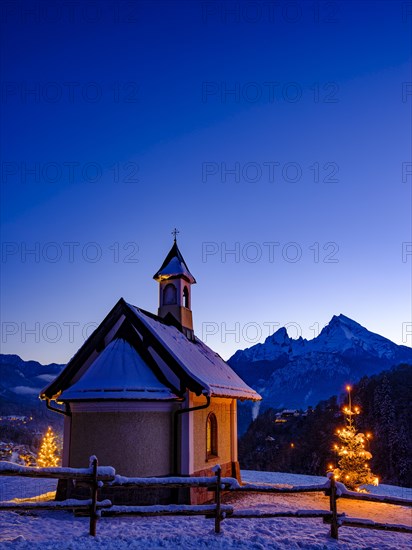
x=47, y=457
x=353, y=469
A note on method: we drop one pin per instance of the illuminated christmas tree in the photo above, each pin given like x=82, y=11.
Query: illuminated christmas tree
x=353, y=468
x=47, y=456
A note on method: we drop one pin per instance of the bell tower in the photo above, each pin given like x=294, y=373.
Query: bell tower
x=175, y=282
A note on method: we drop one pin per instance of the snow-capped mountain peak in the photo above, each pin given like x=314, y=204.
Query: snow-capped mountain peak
x=341, y=334
x=297, y=372
x=279, y=337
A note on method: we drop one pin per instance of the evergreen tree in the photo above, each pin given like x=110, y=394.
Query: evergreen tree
x=353, y=468
x=386, y=428
x=47, y=456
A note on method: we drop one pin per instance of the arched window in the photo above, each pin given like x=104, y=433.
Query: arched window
x=185, y=297
x=211, y=436
x=169, y=295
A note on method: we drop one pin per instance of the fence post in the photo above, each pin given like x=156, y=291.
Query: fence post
x=333, y=509
x=218, y=499
x=93, y=506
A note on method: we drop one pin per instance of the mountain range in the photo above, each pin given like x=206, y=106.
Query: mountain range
x=21, y=382
x=297, y=373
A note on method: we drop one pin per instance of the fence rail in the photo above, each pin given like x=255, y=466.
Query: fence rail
x=368, y=524
x=104, y=473
x=71, y=504
x=377, y=498
x=96, y=477
x=167, y=510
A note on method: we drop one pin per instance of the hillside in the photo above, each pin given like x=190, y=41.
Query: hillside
x=303, y=444
x=24, y=417
x=21, y=382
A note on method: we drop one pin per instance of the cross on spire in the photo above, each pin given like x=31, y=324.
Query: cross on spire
x=175, y=232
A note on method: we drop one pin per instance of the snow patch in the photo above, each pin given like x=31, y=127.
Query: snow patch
x=46, y=377
x=255, y=409
x=25, y=390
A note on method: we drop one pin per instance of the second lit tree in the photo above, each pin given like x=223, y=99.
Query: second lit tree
x=47, y=456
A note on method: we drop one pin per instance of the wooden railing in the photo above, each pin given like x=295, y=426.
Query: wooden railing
x=93, y=476
x=215, y=483
x=96, y=477
x=338, y=490
x=335, y=491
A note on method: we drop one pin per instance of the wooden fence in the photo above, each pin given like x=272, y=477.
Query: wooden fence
x=93, y=476
x=96, y=477
x=335, y=491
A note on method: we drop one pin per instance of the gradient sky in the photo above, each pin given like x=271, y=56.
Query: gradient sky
x=240, y=123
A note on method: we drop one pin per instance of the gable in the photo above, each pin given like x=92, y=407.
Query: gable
x=119, y=372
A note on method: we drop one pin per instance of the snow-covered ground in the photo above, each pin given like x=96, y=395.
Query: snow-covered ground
x=58, y=529
x=19, y=487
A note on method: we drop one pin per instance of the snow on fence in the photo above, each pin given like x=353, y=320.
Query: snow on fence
x=94, y=476
x=97, y=477
x=104, y=473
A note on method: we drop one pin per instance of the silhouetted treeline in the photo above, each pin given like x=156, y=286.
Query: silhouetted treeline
x=304, y=444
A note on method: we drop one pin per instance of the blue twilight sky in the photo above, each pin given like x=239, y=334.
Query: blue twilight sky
x=275, y=135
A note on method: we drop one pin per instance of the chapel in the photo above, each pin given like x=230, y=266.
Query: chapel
x=145, y=395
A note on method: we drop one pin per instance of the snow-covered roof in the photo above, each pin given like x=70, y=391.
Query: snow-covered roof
x=145, y=358
x=198, y=361
x=119, y=372
x=173, y=266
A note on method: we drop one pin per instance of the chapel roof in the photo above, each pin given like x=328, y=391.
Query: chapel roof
x=177, y=363
x=198, y=360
